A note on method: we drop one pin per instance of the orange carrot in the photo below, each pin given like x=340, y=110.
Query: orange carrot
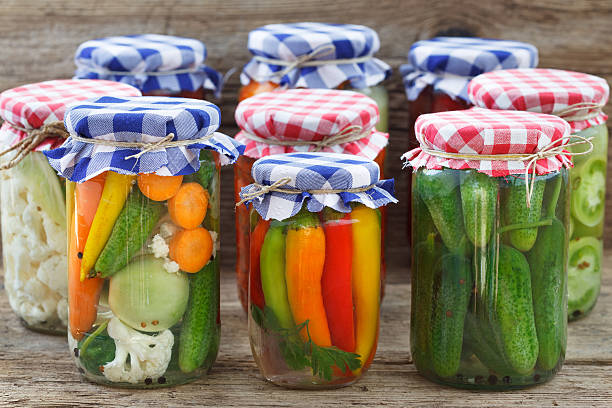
x=83, y=297
x=188, y=207
x=159, y=188
x=191, y=249
x=305, y=258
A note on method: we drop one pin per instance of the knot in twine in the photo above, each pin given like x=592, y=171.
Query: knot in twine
x=550, y=150
x=347, y=135
x=278, y=184
x=34, y=138
x=308, y=60
x=573, y=113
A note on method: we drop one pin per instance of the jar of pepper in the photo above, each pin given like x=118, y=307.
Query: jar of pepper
x=300, y=120
x=314, y=296
x=33, y=200
x=317, y=55
x=143, y=233
x=578, y=98
x=490, y=236
x=159, y=65
x=439, y=69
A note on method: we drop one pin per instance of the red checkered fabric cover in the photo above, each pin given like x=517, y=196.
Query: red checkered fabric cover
x=308, y=115
x=488, y=132
x=541, y=90
x=34, y=105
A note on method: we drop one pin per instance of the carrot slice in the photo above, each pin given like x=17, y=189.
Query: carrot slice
x=189, y=205
x=191, y=249
x=159, y=188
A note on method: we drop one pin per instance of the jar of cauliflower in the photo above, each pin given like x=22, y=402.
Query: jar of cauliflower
x=32, y=197
x=143, y=226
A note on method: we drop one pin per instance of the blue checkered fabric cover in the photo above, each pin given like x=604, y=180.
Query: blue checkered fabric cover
x=317, y=171
x=139, y=119
x=288, y=42
x=449, y=63
x=144, y=58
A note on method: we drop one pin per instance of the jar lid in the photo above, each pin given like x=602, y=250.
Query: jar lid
x=448, y=63
x=283, y=182
x=574, y=96
x=33, y=106
x=315, y=55
x=149, y=62
x=309, y=120
x=495, y=142
x=140, y=135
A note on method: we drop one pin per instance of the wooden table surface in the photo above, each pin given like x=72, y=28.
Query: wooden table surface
x=37, y=370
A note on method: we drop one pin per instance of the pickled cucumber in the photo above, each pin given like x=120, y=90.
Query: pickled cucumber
x=478, y=201
x=516, y=213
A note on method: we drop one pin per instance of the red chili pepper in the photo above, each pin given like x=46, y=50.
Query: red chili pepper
x=257, y=239
x=336, y=281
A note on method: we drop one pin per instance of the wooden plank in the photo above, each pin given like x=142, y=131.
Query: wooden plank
x=38, y=370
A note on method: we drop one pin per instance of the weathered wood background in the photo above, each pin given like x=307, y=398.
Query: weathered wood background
x=38, y=40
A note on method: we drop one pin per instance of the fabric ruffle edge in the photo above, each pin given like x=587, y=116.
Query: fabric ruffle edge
x=415, y=81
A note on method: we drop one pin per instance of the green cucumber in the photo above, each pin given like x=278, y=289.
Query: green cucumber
x=453, y=288
x=547, y=264
x=479, y=201
x=200, y=329
x=422, y=224
x=130, y=232
x=480, y=338
x=516, y=213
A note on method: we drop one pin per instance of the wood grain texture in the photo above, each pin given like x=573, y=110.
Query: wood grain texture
x=38, y=39
x=37, y=370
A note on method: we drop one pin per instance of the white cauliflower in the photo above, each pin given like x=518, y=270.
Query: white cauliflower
x=160, y=248
x=149, y=355
x=215, y=239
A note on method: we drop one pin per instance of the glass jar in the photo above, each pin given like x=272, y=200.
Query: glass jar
x=314, y=297
x=143, y=276
x=489, y=278
x=587, y=219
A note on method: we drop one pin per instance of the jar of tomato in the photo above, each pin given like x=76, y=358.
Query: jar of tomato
x=143, y=237
x=317, y=55
x=439, y=70
x=32, y=199
x=489, y=247
x=578, y=98
x=158, y=65
x=300, y=120
x=314, y=299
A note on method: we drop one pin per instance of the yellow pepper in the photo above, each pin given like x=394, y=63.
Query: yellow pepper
x=366, y=279
x=116, y=190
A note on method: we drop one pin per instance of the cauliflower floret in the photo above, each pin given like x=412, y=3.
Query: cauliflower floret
x=149, y=355
x=160, y=249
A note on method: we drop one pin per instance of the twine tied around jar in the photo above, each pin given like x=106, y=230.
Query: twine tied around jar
x=308, y=60
x=569, y=114
x=347, y=135
x=278, y=184
x=104, y=71
x=550, y=150
x=32, y=140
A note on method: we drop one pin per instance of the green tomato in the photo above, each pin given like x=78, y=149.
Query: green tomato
x=146, y=297
x=589, y=191
x=584, y=274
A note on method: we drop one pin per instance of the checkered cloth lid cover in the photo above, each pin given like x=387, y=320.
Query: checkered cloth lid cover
x=34, y=105
x=448, y=63
x=317, y=171
x=144, y=58
x=308, y=115
x=541, y=90
x=488, y=132
x=288, y=42
x=146, y=119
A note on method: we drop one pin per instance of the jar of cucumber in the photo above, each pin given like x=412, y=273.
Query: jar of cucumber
x=143, y=237
x=32, y=197
x=578, y=98
x=314, y=297
x=489, y=247
x=301, y=120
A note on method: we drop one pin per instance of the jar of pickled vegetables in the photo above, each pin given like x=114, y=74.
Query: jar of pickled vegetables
x=578, y=98
x=490, y=236
x=314, y=297
x=143, y=237
x=158, y=65
x=32, y=199
x=317, y=55
x=439, y=69
x=300, y=120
